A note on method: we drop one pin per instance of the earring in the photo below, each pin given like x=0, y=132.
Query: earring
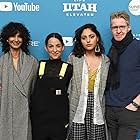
x=97, y=49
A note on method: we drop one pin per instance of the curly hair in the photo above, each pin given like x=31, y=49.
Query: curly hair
x=78, y=49
x=10, y=30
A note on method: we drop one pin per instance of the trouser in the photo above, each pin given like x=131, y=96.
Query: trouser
x=123, y=124
x=53, y=132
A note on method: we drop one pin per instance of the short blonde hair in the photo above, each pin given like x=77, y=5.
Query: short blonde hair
x=121, y=14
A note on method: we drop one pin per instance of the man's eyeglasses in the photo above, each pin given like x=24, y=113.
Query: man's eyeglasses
x=115, y=28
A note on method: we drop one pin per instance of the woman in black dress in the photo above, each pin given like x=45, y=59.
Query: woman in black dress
x=49, y=102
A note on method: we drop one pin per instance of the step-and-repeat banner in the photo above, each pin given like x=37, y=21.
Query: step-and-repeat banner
x=42, y=17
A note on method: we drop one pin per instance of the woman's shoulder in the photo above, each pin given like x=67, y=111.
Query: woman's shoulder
x=32, y=58
x=105, y=58
x=72, y=58
x=69, y=67
x=67, y=63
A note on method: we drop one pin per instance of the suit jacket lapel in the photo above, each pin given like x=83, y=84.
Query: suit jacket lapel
x=78, y=63
x=19, y=80
x=26, y=68
x=104, y=71
x=18, y=83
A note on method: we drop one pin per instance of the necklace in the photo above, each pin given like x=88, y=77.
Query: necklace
x=92, y=64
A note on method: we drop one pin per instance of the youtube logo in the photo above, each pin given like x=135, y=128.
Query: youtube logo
x=17, y=7
x=6, y=6
x=68, y=41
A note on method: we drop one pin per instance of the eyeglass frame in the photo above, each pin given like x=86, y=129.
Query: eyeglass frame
x=115, y=28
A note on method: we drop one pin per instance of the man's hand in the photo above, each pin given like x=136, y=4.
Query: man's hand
x=131, y=107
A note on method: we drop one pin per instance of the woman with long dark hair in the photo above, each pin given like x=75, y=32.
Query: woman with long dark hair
x=17, y=76
x=90, y=69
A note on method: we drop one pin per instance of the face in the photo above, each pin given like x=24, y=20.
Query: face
x=89, y=39
x=54, y=48
x=119, y=28
x=15, y=41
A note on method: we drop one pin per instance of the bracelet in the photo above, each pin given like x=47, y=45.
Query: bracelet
x=135, y=104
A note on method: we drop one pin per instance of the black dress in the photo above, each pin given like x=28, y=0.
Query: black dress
x=49, y=103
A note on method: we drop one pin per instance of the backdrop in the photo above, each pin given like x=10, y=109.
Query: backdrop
x=42, y=17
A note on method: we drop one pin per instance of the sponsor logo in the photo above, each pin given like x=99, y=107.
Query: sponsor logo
x=137, y=36
x=68, y=41
x=6, y=6
x=79, y=8
x=34, y=43
x=134, y=7
x=18, y=7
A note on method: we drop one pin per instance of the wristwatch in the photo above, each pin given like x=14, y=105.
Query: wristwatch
x=135, y=104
